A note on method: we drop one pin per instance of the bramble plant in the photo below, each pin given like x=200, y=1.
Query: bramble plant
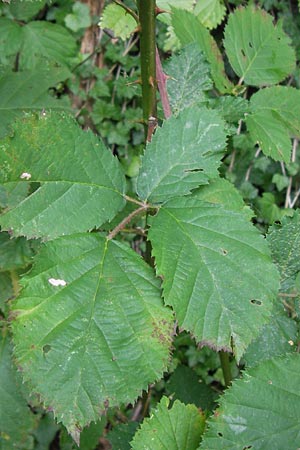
x=88, y=324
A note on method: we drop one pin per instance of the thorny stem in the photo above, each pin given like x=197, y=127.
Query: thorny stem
x=161, y=78
x=127, y=220
x=225, y=364
x=148, y=64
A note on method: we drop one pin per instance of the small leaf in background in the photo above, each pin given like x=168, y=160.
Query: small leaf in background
x=189, y=78
x=121, y=435
x=269, y=210
x=6, y=291
x=284, y=241
x=10, y=39
x=231, y=108
x=260, y=411
x=14, y=253
x=81, y=183
x=281, y=181
x=210, y=12
x=258, y=51
x=25, y=10
x=278, y=337
x=79, y=18
x=189, y=29
x=185, y=385
x=45, y=433
x=89, y=438
x=47, y=41
x=180, y=427
x=273, y=119
x=183, y=154
x=29, y=91
x=217, y=271
x=115, y=18
x=16, y=420
x=96, y=337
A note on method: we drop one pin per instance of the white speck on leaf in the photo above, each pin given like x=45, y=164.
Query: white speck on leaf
x=25, y=176
x=291, y=342
x=57, y=282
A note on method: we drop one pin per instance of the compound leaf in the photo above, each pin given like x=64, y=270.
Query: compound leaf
x=273, y=119
x=80, y=184
x=190, y=77
x=180, y=427
x=189, y=29
x=16, y=419
x=217, y=271
x=259, y=411
x=27, y=91
x=258, y=51
x=182, y=155
x=90, y=330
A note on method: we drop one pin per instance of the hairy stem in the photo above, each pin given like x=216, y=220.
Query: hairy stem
x=147, y=16
x=225, y=364
x=126, y=221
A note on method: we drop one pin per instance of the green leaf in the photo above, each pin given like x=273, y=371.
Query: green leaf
x=185, y=385
x=258, y=51
x=222, y=192
x=118, y=20
x=260, y=411
x=188, y=29
x=284, y=241
x=121, y=435
x=269, y=210
x=89, y=438
x=210, y=12
x=182, y=155
x=273, y=119
x=48, y=41
x=10, y=39
x=182, y=4
x=217, y=271
x=90, y=330
x=80, y=17
x=81, y=184
x=13, y=194
x=25, y=10
x=14, y=253
x=180, y=427
x=6, y=290
x=231, y=108
x=16, y=420
x=278, y=337
x=190, y=77
x=28, y=90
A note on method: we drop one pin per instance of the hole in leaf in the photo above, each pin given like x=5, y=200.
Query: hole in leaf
x=248, y=446
x=46, y=348
x=220, y=434
x=193, y=170
x=250, y=45
x=256, y=302
x=224, y=251
x=243, y=53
